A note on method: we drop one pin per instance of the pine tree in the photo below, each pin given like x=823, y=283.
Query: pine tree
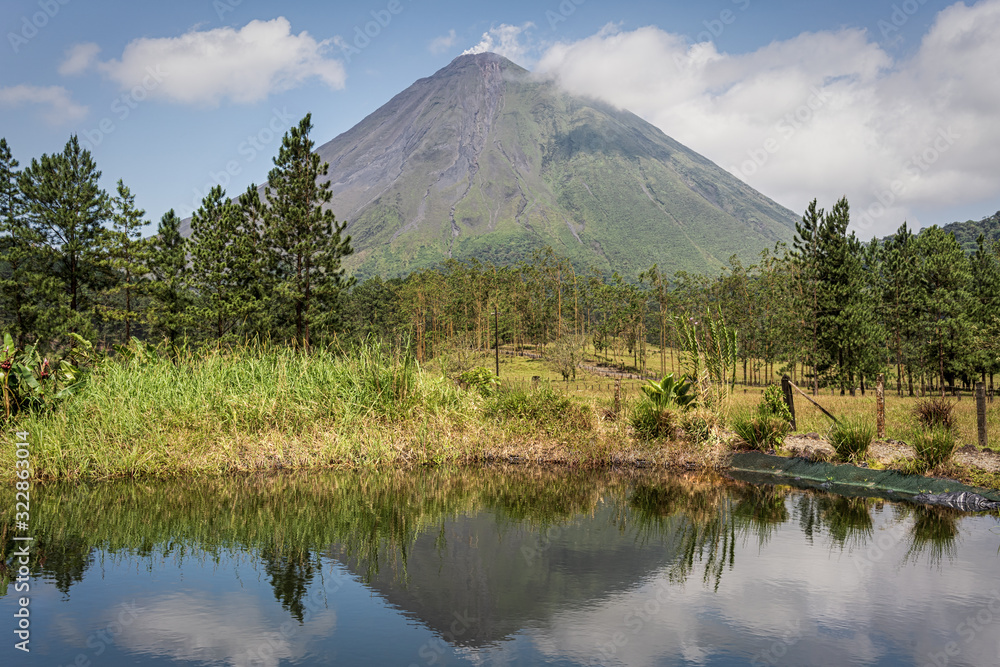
x=304, y=241
x=65, y=209
x=899, y=297
x=125, y=260
x=223, y=253
x=18, y=256
x=944, y=275
x=806, y=256
x=985, y=308
x=167, y=268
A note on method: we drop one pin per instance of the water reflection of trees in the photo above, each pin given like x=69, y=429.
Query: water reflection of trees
x=704, y=520
x=934, y=534
x=372, y=519
x=707, y=521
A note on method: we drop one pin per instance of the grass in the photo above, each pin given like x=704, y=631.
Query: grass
x=852, y=436
x=261, y=408
x=933, y=445
x=760, y=430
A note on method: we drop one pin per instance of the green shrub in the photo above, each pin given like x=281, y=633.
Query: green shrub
x=541, y=407
x=760, y=430
x=934, y=446
x=698, y=425
x=772, y=402
x=670, y=392
x=851, y=437
x=481, y=379
x=651, y=421
x=933, y=412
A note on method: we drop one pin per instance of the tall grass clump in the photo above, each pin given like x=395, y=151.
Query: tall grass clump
x=934, y=445
x=851, y=437
x=935, y=440
x=935, y=412
x=759, y=430
x=765, y=426
x=533, y=408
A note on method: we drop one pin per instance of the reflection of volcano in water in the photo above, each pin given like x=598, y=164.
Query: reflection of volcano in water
x=476, y=580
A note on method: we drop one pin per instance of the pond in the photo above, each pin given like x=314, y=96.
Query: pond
x=496, y=566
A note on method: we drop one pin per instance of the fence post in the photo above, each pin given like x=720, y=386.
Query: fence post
x=981, y=413
x=880, y=407
x=618, y=397
x=786, y=388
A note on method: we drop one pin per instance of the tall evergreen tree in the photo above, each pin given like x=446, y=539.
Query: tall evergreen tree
x=985, y=308
x=944, y=275
x=899, y=301
x=18, y=253
x=65, y=209
x=305, y=241
x=223, y=253
x=125, y=260
x=807, y=258
x=167, y=268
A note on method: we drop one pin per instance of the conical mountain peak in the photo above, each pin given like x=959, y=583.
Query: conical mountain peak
x=483, y=160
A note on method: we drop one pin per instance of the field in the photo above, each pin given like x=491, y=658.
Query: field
x=257, y=409
x=591, y=387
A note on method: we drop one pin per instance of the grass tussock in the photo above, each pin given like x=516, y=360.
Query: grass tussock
x=934, y=446
x=760, y=430
x=851, y=437
x=935, y=412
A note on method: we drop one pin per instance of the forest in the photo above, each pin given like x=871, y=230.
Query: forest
x=830, y=310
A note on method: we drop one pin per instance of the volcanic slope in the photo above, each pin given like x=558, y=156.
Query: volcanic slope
x=485, y=160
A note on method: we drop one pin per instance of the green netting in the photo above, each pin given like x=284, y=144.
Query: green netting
x=844, y=479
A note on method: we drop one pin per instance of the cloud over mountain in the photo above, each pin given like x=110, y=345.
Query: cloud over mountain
x=819, y=115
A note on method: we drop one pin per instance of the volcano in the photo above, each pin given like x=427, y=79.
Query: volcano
x=486, y=160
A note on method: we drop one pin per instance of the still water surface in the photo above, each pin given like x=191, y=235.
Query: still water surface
x=500, y=566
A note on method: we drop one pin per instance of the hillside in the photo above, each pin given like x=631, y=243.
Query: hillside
x=967, y=232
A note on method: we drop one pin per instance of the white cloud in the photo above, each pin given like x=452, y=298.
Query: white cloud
x=60, y=105
x=244, y=66
x=79, y=58
x=819, y=115
x=442, y=44
x=507, y=41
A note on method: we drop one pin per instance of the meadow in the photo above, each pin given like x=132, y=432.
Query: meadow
x=262, y=408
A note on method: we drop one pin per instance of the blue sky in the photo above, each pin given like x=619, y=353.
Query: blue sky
x=892, y=103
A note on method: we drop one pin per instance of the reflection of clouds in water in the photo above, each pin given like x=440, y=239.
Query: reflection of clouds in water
x=227, y=629
x=791, y=603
